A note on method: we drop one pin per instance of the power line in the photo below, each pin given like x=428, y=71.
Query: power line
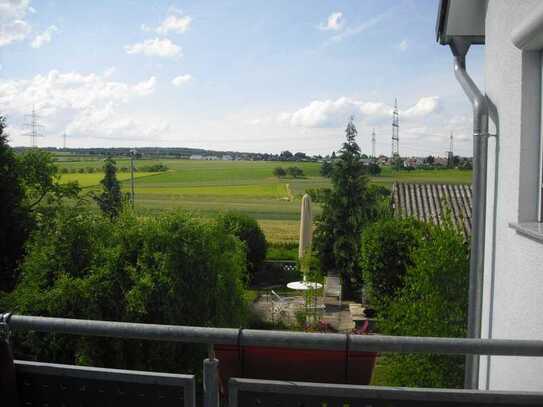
x=395, y=130
x=450, y=153
x=373, y=143
x=34, y=125
x=132, y=183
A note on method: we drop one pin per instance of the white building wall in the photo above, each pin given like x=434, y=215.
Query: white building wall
x=513, y=291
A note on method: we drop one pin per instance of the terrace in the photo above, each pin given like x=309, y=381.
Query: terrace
x=33, y=383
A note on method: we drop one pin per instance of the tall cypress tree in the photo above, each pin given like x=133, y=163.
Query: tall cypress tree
x=14, y=217
x=110, y=200
x=346, y=209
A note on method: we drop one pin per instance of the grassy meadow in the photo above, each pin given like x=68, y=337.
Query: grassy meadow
x=209, y=187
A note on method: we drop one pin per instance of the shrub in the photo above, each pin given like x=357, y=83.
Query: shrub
x=385, y=255
x=248, y=231
x=279, y=172
x=318, y=195
x=374, y=169
x=154, y=168
x=432, y=302
x=169, y=269
x=295, y=172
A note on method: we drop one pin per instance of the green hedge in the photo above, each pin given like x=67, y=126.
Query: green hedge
x=432, y=301
x=169, y=269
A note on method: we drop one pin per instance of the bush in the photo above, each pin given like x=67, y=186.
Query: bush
x=279, y=172
x=282, y=251
x=248, y=231
x=169, y=269
x=432, y=302
x=295, y=172
x=374, y=169
x=154, y=168
x=385, y=255
x=318, y=195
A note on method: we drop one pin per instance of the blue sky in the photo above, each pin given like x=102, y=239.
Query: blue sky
x=234, y=75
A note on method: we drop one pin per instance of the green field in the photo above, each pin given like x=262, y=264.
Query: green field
x=209, y=187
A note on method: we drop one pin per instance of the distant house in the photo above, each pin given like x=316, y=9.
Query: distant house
x=196, y=157
x=413, y=162
x=211, y=158
x=441, y=161
x=431, y=202
x=227, y=157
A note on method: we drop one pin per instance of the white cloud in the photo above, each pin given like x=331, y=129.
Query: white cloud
x=13, y=27
x=423, y=107
x=44, y=38
x=13, y=31
x=351, y=31
x=174, y=23
x=163, y=48
x=334, y=22
x=335, y=113
x=14, y=9
x=181, y=80
x=83, y=105
x=403, y=45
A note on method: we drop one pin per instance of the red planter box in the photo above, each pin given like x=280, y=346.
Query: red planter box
x=319, y=366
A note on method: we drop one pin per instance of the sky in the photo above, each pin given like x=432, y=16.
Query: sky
x=255, y=76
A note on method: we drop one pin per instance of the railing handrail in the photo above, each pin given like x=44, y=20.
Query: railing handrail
x=284, y=339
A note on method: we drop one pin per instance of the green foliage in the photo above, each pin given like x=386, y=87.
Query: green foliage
x=295, y=172
x=347, y=208
x=326, y=169
x=279, y=172
x=14, y=216
x=168, y=269
x=282, y=251
x=40, y=178
x=246, y=229
x=432, y=302
x=318, y=195
x=110, y=200
x=385, y=256
x=374, y=169
x=154, y=168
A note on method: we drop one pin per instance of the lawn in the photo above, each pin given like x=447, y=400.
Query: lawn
x=90, y=180
x=210, y=187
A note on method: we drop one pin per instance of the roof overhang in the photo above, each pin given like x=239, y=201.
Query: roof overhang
x=463, y=19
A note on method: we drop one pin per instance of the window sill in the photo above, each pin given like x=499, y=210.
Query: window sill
x=533, y=230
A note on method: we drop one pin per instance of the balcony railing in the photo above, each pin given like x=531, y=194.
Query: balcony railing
x=69, y=385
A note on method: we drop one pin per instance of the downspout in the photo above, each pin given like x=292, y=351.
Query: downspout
x=460, y=48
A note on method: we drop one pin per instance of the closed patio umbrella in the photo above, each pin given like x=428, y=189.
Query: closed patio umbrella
x=306, y=227
x=304, y=248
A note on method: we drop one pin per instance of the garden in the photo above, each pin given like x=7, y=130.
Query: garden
x=89, y=254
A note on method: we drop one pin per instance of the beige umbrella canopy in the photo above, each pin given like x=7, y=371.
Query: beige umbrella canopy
x=306, y=227
x=306, y=232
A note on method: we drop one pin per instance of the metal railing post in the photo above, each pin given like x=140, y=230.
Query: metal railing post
x=211, y=380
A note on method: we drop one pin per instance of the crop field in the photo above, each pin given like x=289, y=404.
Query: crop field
x=210, y=187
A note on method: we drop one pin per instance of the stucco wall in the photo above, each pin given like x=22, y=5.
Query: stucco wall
x=513, y=291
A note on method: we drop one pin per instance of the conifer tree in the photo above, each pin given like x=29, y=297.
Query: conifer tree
x=346, y=209
x=110, y=200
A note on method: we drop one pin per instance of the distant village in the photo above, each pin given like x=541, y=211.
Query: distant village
x=408, y=163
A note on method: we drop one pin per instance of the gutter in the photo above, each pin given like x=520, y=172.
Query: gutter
x=460, y=49
x=528, y=35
